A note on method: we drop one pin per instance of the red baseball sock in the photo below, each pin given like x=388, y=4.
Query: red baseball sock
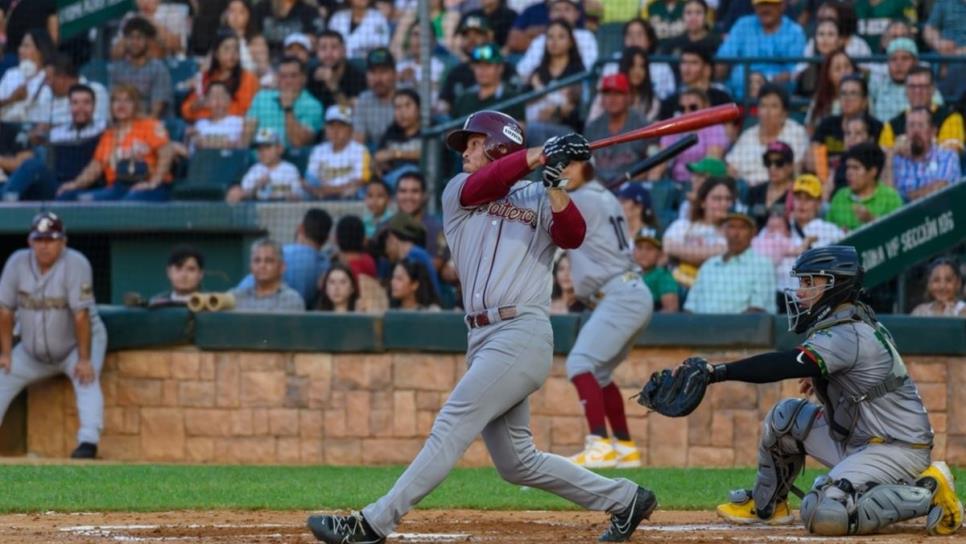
x=593, y=401
x=614, y=407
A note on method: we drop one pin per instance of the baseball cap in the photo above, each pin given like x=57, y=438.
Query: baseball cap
x=380, y=57
x=902, y=44
x=709, y=166
x=407, y=227
x=298, y=39
x=808, y=184
x=739, y=215
x=615, y=83
x=577, y=3
x=780, y=148
x=46, y=226
x=635, y=192
x=474, y=22
x=339, y=114
x=266, y=136
x=649, y=235
x=488, y=53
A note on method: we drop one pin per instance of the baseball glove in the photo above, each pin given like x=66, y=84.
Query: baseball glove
x=677, y=393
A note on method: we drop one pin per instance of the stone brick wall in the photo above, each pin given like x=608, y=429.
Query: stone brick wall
x=186, y=405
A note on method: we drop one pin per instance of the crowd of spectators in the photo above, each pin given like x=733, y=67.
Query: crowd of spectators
x=325, y=95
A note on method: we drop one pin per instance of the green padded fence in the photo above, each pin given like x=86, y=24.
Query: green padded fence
x=445, y=332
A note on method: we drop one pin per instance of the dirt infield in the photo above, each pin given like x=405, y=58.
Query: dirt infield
x=426, y=526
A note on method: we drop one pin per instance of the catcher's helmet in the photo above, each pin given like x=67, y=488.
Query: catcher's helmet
x=503, y=134
x=842, y=267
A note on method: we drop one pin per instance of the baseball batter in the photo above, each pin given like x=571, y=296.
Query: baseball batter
x=502, y=231
x=869, y=427
x=606, y=277
x=47, y=291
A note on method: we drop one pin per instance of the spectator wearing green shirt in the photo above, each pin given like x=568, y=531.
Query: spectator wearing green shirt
x=289, y=111
x=865, y=199
x=648, y=253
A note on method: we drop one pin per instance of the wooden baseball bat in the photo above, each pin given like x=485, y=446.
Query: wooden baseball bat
x=675, y=125
x=663, y=155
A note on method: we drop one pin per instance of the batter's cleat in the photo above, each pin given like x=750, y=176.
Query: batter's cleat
x=744, y=514
x=623, y=524
x=349, y=529
x=85, y=450
x=598, y=453
x=946, y=515
x=628, y=456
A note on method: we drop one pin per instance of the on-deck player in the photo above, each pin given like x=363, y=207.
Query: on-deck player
x=606, y=277
x=503, y=231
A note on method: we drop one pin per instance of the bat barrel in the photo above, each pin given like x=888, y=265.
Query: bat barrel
x=685, y=123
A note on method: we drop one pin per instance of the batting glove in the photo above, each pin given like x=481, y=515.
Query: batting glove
x=576, y=147
x=554, y=150
x=553, y=174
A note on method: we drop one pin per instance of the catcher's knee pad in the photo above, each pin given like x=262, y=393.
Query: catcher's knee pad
x=781, y=456
x=826, y=508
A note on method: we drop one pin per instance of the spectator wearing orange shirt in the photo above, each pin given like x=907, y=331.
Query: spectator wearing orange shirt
x=133, y=156
x=225, y=66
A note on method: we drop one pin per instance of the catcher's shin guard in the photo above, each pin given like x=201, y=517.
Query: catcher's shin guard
x=834, y=509
x=781, y=456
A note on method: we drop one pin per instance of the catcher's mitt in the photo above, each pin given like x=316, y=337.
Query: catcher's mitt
x=677, y=393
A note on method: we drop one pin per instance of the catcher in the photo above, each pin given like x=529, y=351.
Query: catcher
x=869, y=427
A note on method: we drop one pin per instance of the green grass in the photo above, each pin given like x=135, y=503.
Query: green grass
x=32, y=488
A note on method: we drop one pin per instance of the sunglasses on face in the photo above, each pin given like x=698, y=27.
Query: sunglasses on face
x=777, y=163
x=483, y=54
x=689, y=107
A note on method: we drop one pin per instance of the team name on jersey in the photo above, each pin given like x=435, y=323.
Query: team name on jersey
x=505, y=210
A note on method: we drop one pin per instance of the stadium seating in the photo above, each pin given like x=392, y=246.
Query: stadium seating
x=211, y=172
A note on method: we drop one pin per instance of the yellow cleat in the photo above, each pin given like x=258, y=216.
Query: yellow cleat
x=598, y=453
x=946, y=515
x=744, y=514
x=628, y=456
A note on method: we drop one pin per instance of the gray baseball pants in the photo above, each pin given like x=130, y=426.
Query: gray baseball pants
x=25, y=370
x=609, y=334
x=878, y=463
x=507, y=361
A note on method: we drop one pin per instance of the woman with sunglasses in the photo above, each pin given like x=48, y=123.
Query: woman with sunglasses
x=712, y=141
x=780, y=162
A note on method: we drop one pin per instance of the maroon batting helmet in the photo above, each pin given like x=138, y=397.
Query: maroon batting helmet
x=503, y=134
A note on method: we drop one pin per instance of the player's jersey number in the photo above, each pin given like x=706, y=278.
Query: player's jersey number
x=620, y=231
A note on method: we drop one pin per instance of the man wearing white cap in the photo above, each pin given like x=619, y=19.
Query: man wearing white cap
x=298, y=45
x=340, y=166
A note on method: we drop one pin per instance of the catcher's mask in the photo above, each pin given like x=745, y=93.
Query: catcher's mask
x=810, y=303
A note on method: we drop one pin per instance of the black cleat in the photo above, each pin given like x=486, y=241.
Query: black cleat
x=623, y=524
x=85, y=450
x=343, y=529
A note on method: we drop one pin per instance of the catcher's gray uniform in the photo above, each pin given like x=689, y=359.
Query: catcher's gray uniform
x=605, y=275
x=44, y=307
x=871, y=428
x=503, y=253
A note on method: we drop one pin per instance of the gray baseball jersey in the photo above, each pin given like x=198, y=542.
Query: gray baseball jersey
x=855, y=358
x=45, y=304
x=502, y=250
x=605, y=252
x=503, y=254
